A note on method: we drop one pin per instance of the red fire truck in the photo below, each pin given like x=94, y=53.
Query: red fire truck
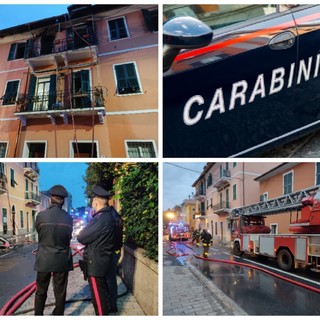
x=179, y=231
x=250, y=235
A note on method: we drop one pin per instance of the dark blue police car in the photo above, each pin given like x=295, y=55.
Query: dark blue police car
x=239, y=79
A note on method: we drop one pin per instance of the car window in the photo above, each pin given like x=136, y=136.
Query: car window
x=219, y=16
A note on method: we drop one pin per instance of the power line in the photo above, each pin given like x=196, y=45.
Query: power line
x=184, y=168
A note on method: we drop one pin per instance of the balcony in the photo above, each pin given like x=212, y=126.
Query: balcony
x=223, y=181
x=62, y=52
x=3, y=183
x=56, y=105
x=30, y=173
x=223, y=208
x=32, y=199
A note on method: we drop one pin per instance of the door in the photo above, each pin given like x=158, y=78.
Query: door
x=235, y=95
x=42, y=94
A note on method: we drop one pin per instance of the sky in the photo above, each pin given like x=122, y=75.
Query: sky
x=17, y=14
x=178, y=178
x=69, y=174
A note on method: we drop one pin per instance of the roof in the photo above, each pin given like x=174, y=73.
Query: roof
x=205, y=170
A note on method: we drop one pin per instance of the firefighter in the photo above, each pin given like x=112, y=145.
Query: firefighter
x=206, y=242
x=53, y=257
x=198, y=236
x=99, y=238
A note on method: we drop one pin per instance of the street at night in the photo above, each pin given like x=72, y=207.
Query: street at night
x=254, y=291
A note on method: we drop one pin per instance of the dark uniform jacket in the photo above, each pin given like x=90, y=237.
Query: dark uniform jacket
x=99, y=240
x=54, y=227
x=206, y=237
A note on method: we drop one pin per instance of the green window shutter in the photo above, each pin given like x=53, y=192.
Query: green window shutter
x=127, y=80
x=31, y=91
x=52, y=91
x=12, y=51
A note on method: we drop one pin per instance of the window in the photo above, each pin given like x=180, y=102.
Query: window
x=317, y=172
x=234, y=192
x=17, y=51
x=234, y=164
x=227, y=198
x=3, y=149
x=81, y=89
x=21, y=219
x=35, y=149
x=118, y=29
x=140, y=149
x=209, y=181
x=274, y=228
x=127, y=80
x=288, y=183
x=12, y=182
x=219, y=16
x=11, y=92
x=151, y=19
x=264, y=197
x=84, y=149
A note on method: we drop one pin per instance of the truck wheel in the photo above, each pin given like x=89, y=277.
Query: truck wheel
x=236, y=249
x=285, y=260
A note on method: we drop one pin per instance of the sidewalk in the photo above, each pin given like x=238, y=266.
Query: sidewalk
x=79, y=299
x=188, y=292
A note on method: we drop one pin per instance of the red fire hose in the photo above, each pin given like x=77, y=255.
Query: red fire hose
x=18, y=299
x=305, y=286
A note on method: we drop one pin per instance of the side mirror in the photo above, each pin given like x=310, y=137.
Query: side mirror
x=183, y=33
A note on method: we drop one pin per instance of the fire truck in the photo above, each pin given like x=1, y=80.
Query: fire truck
x=301, y=248
x=179, y=231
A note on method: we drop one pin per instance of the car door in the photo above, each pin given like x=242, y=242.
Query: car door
x=235, y=95
x=307, y=94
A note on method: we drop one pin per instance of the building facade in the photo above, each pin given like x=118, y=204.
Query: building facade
x=82, y=84
x=223, y=186
x=19, y=198
x=288, y=180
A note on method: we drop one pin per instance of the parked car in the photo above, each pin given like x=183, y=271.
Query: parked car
x=239, y=79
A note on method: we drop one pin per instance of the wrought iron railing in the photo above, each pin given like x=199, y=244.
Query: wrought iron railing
x=59, y=100
x=32, y=196
x=61, y=45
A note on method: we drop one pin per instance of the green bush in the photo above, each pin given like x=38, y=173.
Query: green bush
x=136, y=187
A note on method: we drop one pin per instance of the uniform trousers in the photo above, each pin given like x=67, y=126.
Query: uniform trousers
x=60, y=282
x=112, y=286
x=98, y=288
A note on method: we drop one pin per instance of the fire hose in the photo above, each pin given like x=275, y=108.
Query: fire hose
x=247, y=265
x=18, y=299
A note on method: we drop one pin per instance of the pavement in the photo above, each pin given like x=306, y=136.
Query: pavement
x=78, y=300
x=186, y=291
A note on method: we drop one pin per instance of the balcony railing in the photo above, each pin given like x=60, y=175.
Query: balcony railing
x=59, y=101
x=221, y=208
x=36, y=50
x=32, y=198
x=223, y=181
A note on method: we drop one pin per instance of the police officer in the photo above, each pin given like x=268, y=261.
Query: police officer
x=99, y=240
x=53, y=257
x=111, y=274
x=206, y=242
